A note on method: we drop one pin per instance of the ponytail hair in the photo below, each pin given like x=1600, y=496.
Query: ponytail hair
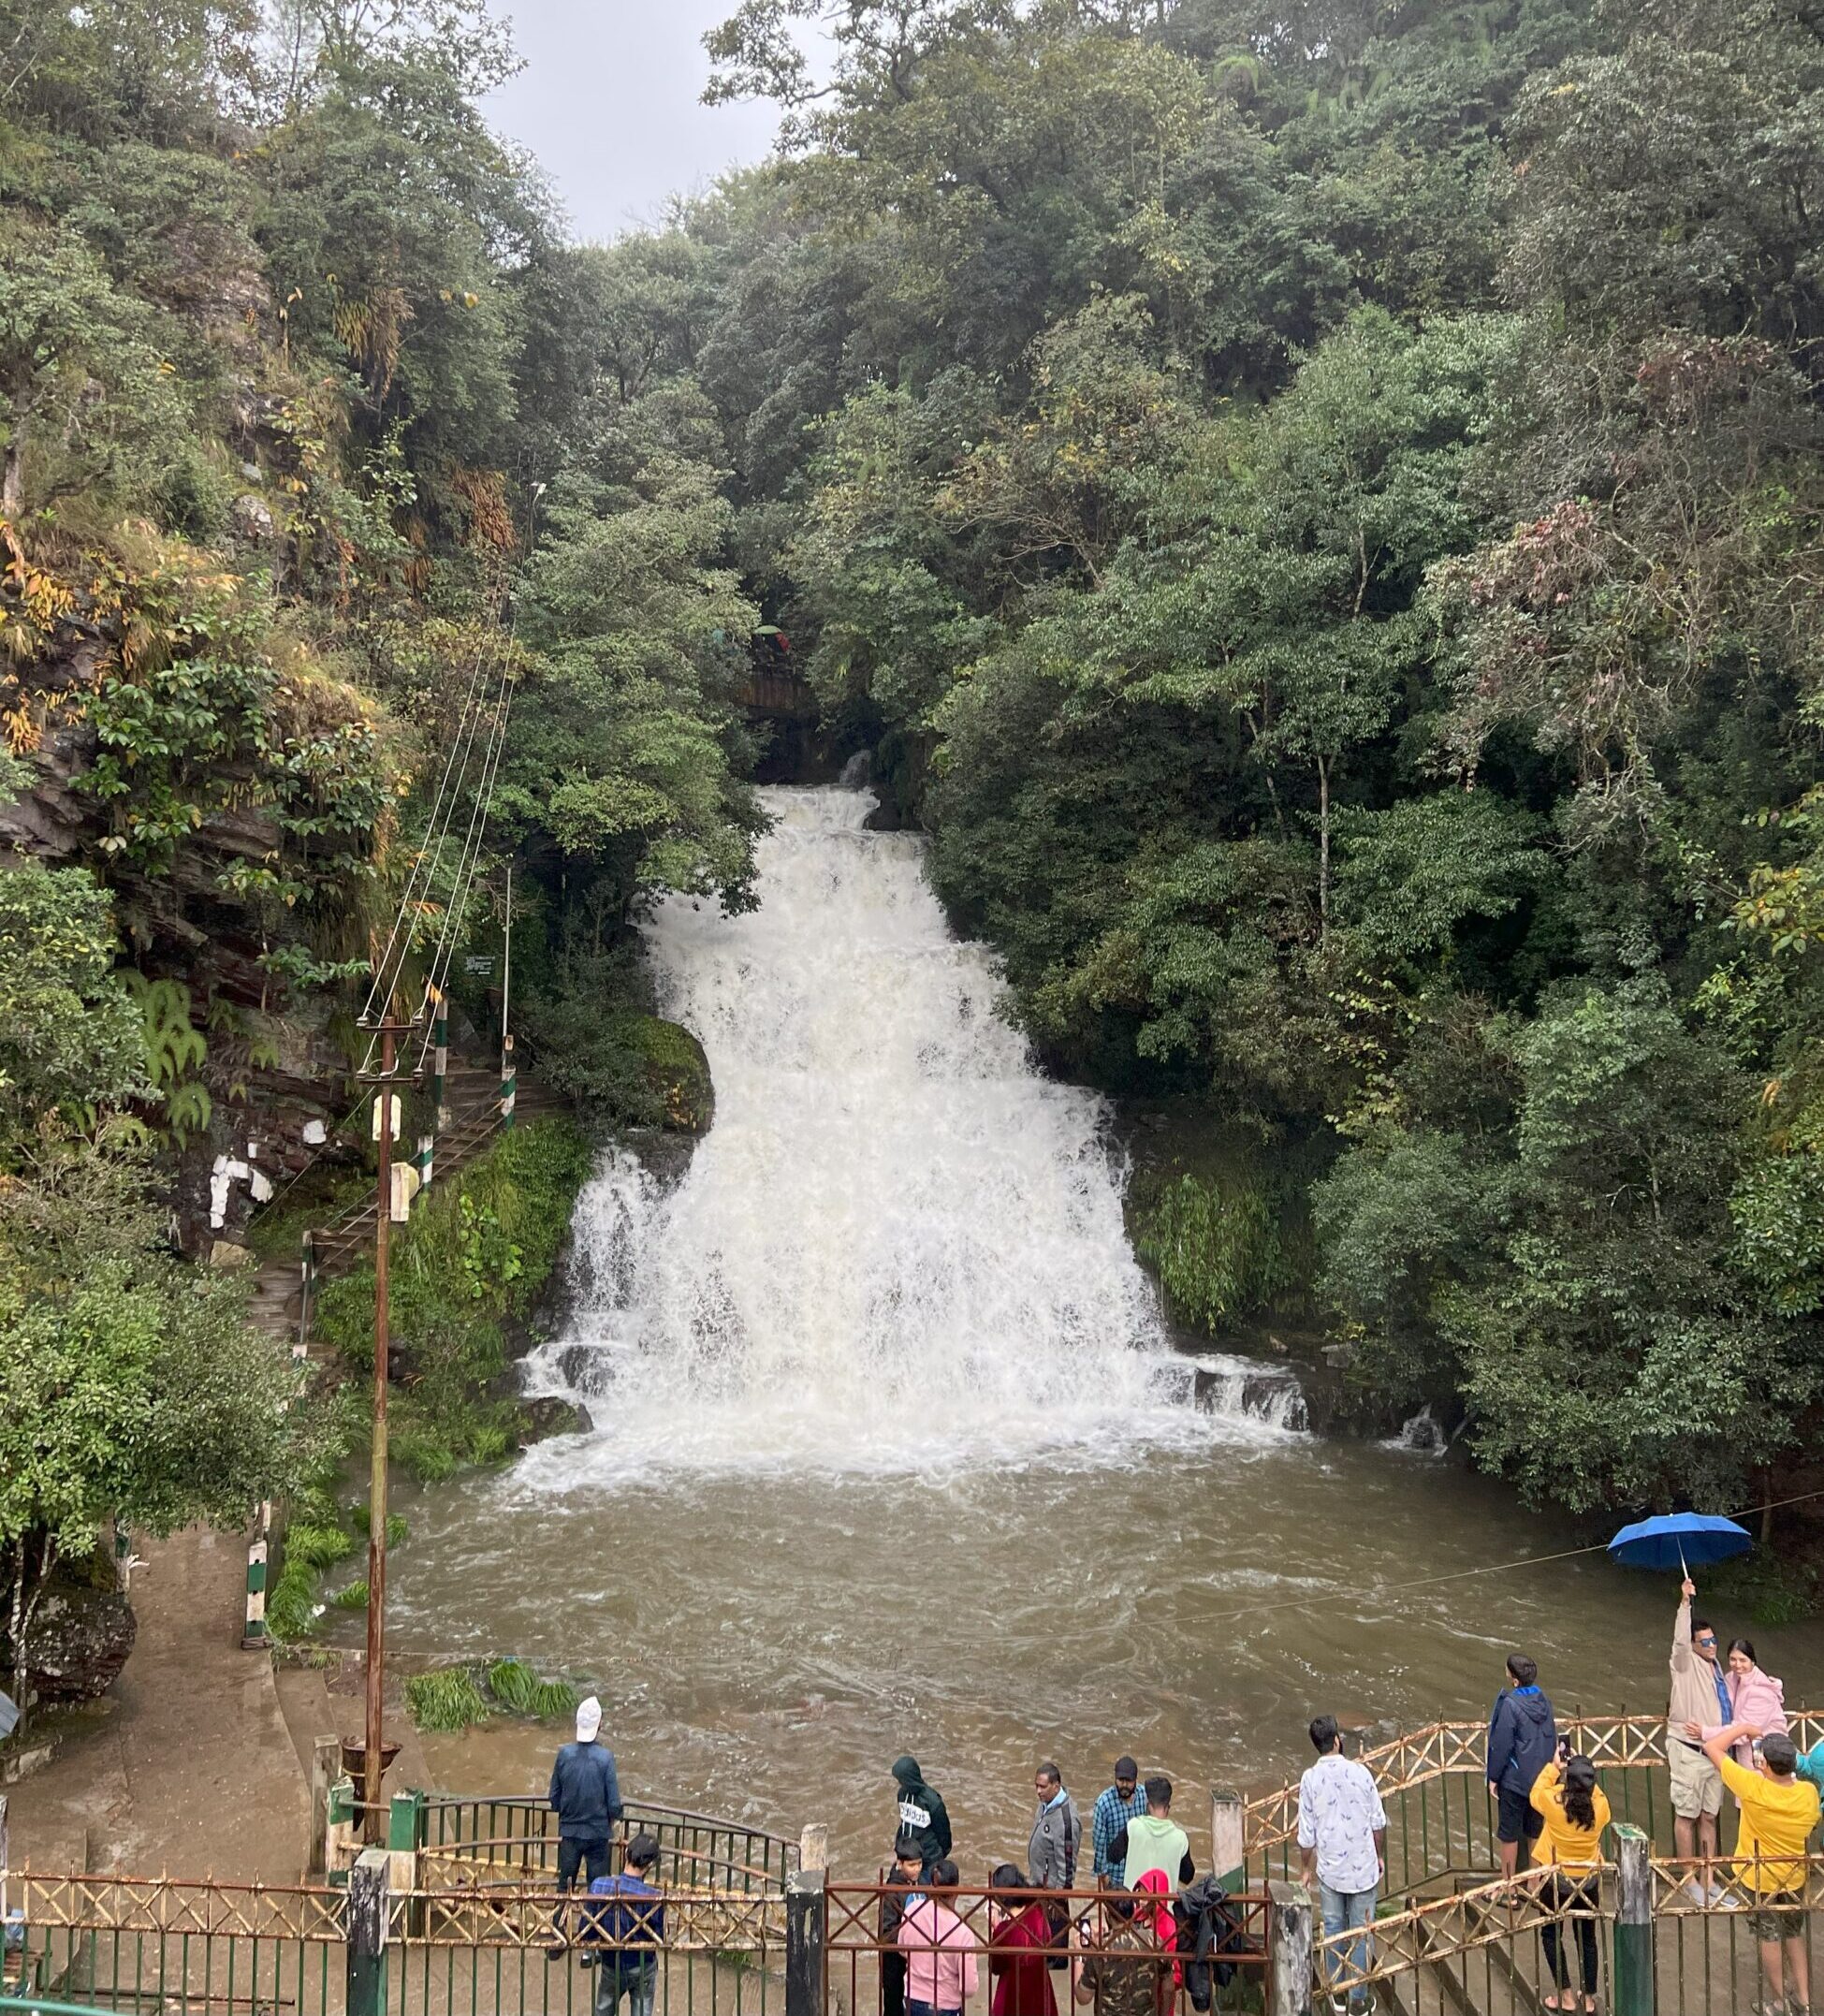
x=1746, y=1647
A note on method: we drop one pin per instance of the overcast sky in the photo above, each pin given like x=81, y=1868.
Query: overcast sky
x=607, y=101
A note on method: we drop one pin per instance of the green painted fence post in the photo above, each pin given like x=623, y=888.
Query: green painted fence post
x=1228, y=1830
x=367, y=1900
x=1633, y=1983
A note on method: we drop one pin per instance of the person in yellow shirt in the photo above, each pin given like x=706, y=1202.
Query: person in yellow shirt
x=1575, y=1810
x=1779, y=1809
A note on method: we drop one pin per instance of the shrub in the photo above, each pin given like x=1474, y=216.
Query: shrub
x=445, y=1699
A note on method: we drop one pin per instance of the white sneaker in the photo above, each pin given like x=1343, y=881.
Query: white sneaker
x=1722, y=1900
x=1696, y=1891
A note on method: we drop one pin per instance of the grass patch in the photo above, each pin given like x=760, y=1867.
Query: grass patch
x=474, y=1259
x=445, y=1700
x=1774, y=1590
x=353, y=1596
x=516, y=1687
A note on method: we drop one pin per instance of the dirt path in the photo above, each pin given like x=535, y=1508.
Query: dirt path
x=192, y=1772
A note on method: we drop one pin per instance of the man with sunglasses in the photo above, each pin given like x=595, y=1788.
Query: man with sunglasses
x=1701, y=1695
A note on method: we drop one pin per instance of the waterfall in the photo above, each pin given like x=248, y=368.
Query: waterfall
x=899, y=1249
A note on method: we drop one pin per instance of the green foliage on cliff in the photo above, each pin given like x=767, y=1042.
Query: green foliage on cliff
x=474, y=1259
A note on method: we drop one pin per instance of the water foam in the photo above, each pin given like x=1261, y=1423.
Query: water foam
x=899, y=1249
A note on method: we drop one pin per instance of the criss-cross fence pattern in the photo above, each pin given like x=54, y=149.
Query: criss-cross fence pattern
x=1441, y=1820
x=1453, y=1938
x=194, y=1948
x=463, y=1842
x=1110, y=1944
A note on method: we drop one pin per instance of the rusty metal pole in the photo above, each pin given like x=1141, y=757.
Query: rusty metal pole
x=373, y=1817
x=373, y=1827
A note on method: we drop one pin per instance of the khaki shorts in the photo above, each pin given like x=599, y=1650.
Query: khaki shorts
x=1697, y=1784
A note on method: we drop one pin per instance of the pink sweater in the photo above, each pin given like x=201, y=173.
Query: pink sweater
x=1759, y=1701
x=939, y=1953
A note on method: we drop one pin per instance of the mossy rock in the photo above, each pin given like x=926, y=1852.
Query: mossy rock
x=675, y=1070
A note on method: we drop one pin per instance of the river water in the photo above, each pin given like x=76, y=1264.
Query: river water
x=892, y=1450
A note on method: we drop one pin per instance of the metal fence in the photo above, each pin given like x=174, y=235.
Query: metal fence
x=1120, y=1950
x=462, y=1841
x=1440, y=1820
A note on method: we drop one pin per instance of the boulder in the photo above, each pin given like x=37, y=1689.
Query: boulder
x=79, y=1643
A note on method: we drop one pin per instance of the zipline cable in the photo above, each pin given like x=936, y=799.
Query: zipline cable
x=1462, y=1574
x=429, y=854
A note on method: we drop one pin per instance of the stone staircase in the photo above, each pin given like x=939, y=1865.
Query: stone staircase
x=473, y=1095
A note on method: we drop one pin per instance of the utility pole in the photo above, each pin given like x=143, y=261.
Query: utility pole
x=374, y=1827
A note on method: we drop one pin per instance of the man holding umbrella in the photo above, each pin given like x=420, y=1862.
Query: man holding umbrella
x=1700, y=1685
x=1699, y=1697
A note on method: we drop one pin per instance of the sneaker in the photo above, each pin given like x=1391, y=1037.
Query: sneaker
x=1696, y=1892
x=1723, y=1900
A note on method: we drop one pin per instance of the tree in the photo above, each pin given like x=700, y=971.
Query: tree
x=80, y=383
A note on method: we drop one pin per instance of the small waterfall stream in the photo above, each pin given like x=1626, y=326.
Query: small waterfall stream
x=900, y=1247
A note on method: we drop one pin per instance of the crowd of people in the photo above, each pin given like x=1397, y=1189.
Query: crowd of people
x=1159, y=1927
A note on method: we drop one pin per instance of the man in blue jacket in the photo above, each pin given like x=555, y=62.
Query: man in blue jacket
x=585, y=1795
x=1523, y=1738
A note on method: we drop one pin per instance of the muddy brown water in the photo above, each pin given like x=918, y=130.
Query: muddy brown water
x=892, y=1450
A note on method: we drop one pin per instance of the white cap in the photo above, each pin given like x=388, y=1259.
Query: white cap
x=588, y=1719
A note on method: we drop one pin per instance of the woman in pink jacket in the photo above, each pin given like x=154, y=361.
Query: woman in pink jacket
x=1759, y=1701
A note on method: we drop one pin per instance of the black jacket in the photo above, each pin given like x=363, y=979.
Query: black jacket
x=1210, y=1938
x=585, y=1793
x=922, y=1813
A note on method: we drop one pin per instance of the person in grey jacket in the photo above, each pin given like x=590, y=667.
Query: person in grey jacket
x=1056, y=1833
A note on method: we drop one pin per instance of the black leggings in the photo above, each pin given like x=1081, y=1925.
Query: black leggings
x=1568, y=1896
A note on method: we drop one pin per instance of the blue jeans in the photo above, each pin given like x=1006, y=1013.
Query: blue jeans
x=1350, y=1910
x=616, y=1975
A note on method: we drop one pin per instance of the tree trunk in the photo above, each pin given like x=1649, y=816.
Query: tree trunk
x=12, y=479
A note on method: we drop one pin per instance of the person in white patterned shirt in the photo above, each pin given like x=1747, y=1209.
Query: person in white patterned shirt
x=1342, y=1842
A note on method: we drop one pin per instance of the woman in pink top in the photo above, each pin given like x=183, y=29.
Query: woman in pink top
x=940, y=1950
x=1759, y=1701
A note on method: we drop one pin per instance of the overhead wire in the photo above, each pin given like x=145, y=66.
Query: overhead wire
x=429, y=855
x=1464, y=1574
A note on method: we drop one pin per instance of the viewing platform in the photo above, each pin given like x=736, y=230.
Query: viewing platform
x=459, y=1912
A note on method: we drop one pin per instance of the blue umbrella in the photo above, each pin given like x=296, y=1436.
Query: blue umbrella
x=1683, y=1540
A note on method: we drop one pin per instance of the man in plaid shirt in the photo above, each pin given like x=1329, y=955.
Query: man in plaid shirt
x=1121, y=1802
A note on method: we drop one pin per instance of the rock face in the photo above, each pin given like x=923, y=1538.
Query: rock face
x=79, y=1643
x=677, y=1071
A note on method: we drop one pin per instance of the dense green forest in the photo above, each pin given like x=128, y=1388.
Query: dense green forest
x=1315, y=508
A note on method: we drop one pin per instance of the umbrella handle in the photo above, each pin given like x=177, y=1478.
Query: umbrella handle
x=1685, y=1571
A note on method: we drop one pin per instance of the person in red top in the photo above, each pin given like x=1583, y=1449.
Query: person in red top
x=1022, y=1984
x=1154, y=1885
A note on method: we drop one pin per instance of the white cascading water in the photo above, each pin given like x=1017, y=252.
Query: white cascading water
x=899, y=1249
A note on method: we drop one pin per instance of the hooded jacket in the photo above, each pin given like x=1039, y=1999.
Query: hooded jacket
x=1523, y=1738
x=922, y=1813
x=1056, y=1836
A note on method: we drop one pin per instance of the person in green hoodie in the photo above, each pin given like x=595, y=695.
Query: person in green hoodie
x=1155, y=1840
x=922, y=1813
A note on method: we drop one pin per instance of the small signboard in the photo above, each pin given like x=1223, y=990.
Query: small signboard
x=479, y=965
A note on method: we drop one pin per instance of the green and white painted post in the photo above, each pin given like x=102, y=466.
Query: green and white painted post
x=439, y=1058
x=1228, y=1840
x=509, y=1081
x=253, y=1631
x=367, y=1899
x=427, y=1159
x=300, y=1344
x=1633, y=1982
